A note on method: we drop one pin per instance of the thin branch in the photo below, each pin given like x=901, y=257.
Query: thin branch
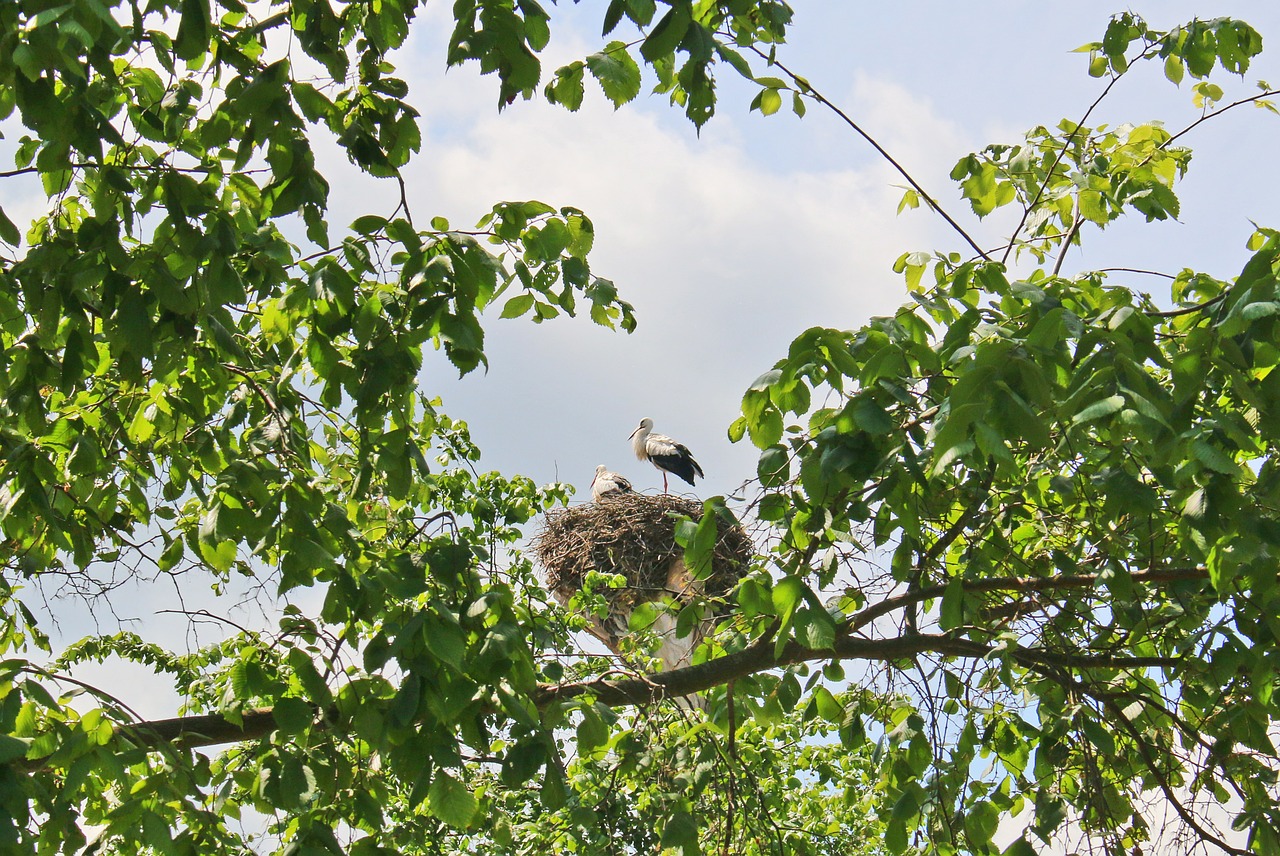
x=806, y=88
x=1136, y=270
x=262, y=393
x=190, y=170
x=1066, y=243
x=1148, y=759
x=1044, y=185
x=1014, y=584
x=1188, y=310
x=1207, y=116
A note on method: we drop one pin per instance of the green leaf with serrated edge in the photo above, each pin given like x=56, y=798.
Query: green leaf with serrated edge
x=617, y=72
x=518, y=305
x=667, y=33
x=449, y=800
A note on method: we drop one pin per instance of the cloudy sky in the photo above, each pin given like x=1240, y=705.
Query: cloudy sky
x=731, y=243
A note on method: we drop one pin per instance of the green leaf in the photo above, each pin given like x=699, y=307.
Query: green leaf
x=194, y=30
x=567, y=89
x=292, y=715
x=871, y=417
x=766, y=430
x=13, y=748
x=902, y=820
x=1214, y=458
x=517, y=306
x=592, y=732
x=952, y=611
x=737, y=429
x=981, y=821
x=681, y=833
x=815, y=629
x=617, y=73
x=667, y=33
x=774, y=467
x=612, y=16
x=446, y=641
x=553, y=793
x=8, y=231
x=1196, y=504
x=828, y=708
x=449, y=800
x=770, y=101
x=1099, y=409
x=1021, y=847
x=368, y=224
x=787, y=594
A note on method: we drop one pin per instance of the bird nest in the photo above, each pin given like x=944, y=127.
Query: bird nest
x=633, y=534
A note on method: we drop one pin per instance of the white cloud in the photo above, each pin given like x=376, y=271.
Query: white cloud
x=727, y=254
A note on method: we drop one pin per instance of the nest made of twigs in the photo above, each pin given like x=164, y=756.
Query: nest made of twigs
x=633, y=534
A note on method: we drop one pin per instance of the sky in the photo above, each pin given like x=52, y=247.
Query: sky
x=731, y=242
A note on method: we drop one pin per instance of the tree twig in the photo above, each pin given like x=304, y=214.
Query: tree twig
x=806, y=89
x=1044, y=185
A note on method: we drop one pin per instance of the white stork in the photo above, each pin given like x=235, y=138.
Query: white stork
x=607, y=484
x=664, y=453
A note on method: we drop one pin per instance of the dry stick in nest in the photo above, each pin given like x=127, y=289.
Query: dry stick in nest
x=634, y=535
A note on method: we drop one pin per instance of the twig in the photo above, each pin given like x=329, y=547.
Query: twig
x=1207, y=116
x=1066, y=243
x=1187, y=310
x=1135, y=270
x=806, y=88
x=236, y=370
x=1044, y=185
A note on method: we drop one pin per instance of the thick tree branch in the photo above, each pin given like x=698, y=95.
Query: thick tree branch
x=189, y=732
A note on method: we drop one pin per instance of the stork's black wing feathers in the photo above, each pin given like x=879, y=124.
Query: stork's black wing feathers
x=679, y=464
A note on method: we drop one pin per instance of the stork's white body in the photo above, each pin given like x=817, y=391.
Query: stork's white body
x=664, y=453
x=608, y=484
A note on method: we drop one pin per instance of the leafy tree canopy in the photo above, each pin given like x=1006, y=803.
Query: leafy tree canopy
x=1017, y=542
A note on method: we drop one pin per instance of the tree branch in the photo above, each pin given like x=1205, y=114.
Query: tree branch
x=1044, y=185
x=190, y=732
x=806, y=88
x=1207, y=116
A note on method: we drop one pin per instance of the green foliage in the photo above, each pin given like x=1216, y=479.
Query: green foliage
x=1043, y=505
x=1072, y=488
x=683, y=46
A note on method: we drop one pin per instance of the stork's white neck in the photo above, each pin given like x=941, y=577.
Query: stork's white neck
x=638, y=440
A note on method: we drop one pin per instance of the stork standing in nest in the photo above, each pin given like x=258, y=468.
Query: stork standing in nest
x=664, y=453
x=608, y=485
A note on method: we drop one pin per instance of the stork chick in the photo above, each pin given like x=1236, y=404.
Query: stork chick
x=607, y=484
